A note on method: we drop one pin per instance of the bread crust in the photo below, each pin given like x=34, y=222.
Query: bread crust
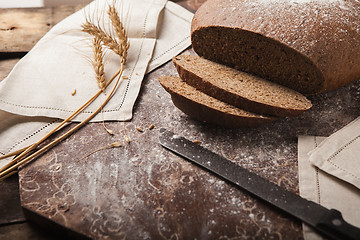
x=235, y=88
x=207, y=109
x=326, y=33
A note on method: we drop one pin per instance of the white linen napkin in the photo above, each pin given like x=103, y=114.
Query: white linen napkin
x=339, y=154
x=329, y=186
x=17, y=132
x=39, y=89
x=42, y=82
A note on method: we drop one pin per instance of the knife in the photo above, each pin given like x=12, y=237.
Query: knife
x=329, y=222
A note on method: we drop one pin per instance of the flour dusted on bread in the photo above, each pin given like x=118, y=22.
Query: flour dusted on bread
x=205, y=108
x=240, y=89
x=311, y=46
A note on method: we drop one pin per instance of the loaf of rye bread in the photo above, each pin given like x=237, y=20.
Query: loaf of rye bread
x=240, y=89
x=203, y=107
x=310, y=46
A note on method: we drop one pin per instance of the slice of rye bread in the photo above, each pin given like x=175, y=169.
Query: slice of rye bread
x=205, y=108
x=240, y=89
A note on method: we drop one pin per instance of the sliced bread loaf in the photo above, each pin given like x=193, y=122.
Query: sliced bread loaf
x=311, y=46
x=205, y=108
x=240, y=89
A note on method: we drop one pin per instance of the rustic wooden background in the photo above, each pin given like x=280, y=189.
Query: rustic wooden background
x=20, y=29
x=141, y=190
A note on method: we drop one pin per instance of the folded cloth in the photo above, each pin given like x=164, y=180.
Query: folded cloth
x=339, y=154
x=325, y=186
x=42, y=82
x=18, y=131
x=39, y=89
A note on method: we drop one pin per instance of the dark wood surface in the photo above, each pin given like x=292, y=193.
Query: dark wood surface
x=142, y=191
x=20, y=29
x=10, y=209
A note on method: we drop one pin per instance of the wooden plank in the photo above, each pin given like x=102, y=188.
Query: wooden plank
x=10, y=208
x=26, y=231
x=6, y=65
x=21, y=29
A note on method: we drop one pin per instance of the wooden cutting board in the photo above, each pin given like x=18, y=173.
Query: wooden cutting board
x=142, y=191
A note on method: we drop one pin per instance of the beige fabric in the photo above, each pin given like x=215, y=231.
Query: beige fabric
x=18, y=131
x=339, y=154
x=323, y=187
x=42, y=82
x=174, y=34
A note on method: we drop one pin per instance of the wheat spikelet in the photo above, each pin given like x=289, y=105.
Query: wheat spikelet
x=97, y=31
x=120, y=31
x=25, y=157
x=98, y=63
x=119, y=46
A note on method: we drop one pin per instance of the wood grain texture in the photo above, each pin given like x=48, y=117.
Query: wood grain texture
x=21, y=29
x=142, y=191
x=10, y=209
x=27, y=231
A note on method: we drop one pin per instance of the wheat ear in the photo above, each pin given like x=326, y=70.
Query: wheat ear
x=120, y=31
x=108, y=40
x=22, y=159
x=98, y=63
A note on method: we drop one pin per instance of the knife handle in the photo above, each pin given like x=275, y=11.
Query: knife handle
x=336, y=227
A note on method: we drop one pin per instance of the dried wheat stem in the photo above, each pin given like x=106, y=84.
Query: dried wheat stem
x=121, y=50
x=98, y=63
x=112, y=145
x=13, y=162
x=13, y=153
x=8, y=175
x=4, y=173
x=28, y=149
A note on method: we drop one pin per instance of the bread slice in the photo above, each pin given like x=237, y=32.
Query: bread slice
x=240, y=89
x=308, y=46
x=205, y=108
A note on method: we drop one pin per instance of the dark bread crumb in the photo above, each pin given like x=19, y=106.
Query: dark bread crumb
x=258, y=55
x=309, y=46
x=205, y=108
x=240, y=89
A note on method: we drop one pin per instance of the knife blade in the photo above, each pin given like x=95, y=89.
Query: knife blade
x=329, y=222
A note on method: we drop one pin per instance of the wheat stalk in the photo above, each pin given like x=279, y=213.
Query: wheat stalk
x=119, y=30
x=112, y=145
x=97, y=31
x=119, y=46
x=107, y=39
x=98, y=63
x=7, y=170
x=120, y=49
